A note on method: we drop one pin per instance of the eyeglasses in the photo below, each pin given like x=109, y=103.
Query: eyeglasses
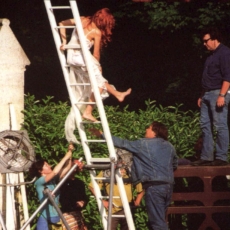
x=206, y=40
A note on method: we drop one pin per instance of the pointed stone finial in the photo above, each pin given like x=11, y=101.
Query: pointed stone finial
x=5, y=21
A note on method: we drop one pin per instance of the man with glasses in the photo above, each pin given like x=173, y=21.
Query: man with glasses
x=214, y=101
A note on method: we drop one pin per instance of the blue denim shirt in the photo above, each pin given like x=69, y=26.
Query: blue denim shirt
x=154, y=159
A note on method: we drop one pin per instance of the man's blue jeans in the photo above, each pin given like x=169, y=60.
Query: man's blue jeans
x=217, y=117
x=157, y=200
x=42, y=223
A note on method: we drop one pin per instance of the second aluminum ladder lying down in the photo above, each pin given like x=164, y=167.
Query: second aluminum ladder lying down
x=106, y=219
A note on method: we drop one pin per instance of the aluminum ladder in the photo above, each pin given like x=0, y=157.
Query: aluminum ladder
x=106, y=219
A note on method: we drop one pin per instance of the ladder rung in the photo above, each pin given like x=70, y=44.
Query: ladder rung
x=60, y=7
x=92, y=122
x=75, y=84
x=66, y=27
x=102, y=166
x=106, y=217
x=67, y=66
x=76, y=46
x=107, y=197
x=102, y=178
x=85, y=103
x=118, y=216
x=101, y=141
x=98, y=160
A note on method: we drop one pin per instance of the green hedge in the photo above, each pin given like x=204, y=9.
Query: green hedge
x=44, y=121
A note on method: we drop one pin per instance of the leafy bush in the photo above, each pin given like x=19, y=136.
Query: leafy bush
x=44, y=120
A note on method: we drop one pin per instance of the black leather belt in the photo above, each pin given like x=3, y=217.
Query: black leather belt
x=208, y=90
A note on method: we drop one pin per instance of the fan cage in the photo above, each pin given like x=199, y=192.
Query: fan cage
x=16, y=152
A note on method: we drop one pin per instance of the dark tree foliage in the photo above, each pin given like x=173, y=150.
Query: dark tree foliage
x=156, y=48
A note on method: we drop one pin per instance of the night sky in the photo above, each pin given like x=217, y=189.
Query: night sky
x=144, y=60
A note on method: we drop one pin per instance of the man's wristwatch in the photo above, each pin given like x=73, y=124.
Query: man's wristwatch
x=222, y=95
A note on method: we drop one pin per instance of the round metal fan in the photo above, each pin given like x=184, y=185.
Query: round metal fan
x=16, y=152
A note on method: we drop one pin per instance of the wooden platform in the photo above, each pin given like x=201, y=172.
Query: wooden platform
x=203, y=199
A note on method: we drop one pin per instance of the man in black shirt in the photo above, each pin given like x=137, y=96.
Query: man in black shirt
x=72, y=199
x=214, y=100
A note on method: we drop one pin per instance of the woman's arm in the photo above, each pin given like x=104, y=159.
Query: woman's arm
x=67, y=164
x=59, y=166
x=65, y=168
x=95, y=34
x=97, y=45
x=68, y=22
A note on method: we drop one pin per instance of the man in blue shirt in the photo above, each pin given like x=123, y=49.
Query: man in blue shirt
x=154, y=159
x=214, y=101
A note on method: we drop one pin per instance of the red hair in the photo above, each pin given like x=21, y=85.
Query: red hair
x=105, y=22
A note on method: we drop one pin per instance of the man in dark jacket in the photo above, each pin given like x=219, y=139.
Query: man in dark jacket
x=154, y=159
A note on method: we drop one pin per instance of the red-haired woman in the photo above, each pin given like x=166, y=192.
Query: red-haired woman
x=98, y=31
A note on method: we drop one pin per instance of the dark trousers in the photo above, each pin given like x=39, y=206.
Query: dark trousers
x=157, y=200
x=119, y=220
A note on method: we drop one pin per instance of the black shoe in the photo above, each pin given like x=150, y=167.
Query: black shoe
x=219, y=162
x=201, y=163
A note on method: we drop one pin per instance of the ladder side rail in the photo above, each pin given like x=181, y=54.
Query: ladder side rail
x=98, y=197
x=61, y=54
x=48, y=193
x=21, y=174
x=14, y=126
x=102, y=113
x=76, y=111
x=2, y=223
x=11, y=217
x=86, y=56
x=95, y=89
x=93, y=79
x=62, y=59
x=112, y=176
x=81, y=131
x=11, y=221
x=124, y=199
x=58, y=43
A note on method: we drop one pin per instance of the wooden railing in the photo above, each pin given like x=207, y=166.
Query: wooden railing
x=204, y=197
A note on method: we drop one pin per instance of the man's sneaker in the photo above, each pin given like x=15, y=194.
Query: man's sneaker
x=201, y=163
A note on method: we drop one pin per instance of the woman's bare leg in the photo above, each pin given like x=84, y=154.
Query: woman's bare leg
x=119, y=95
x=87, y=114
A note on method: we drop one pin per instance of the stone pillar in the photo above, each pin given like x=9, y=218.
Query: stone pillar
x=12, y=67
